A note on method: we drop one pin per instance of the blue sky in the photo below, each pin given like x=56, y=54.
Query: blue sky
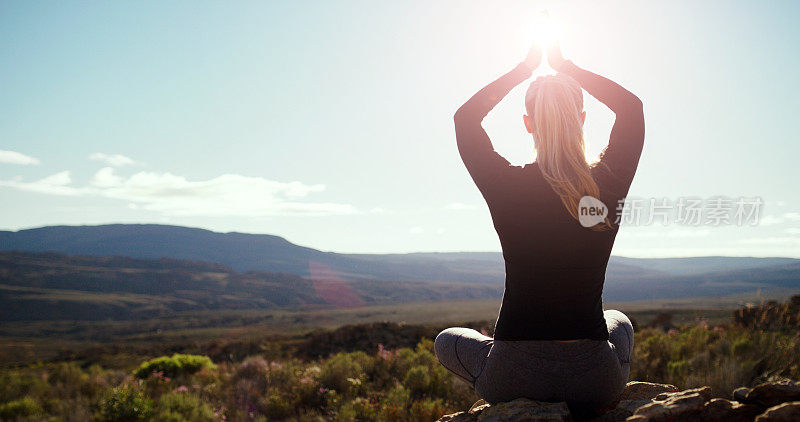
x=330, y=123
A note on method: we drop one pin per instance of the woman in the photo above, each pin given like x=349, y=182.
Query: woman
x=553, y=341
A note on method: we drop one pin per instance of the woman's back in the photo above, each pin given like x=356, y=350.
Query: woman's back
x=555, y=267
x=534, y=228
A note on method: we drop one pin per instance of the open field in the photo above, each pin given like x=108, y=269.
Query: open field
x=28, y=341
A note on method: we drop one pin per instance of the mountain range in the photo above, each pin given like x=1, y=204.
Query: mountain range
x=182, y=268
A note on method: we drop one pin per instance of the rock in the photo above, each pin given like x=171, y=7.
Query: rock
x=635, y=395
x=704, y=392
x=458, y=417
x=638, y=390
x=643, y=401
x=774, y=393
x=469, y=416
x=740, y=394
x=624, y=409
x=681, y=405
x=786, y=412
x=722, y=410
x=525, y=410
x=478, y=406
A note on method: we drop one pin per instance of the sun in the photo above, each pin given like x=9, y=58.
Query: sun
x=543, y=31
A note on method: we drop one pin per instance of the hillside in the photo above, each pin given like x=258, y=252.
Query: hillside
x=260, y=252
x=50, y=286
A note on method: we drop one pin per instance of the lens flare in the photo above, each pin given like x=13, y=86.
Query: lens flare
x=544, y=31
x=332, y=288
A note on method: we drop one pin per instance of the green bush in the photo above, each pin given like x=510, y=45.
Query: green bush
x=678, y=368
x=427, y=410
x=741, y=346
x=177, y=364
x=126, y=403
x=169, y=416
x=417, y=380
x=339, y=371
x=184, y=407
x=276, y=407
x=16, y=384
x=23, y=407
x=68, y=373
x=395, y=404
x=358, y=409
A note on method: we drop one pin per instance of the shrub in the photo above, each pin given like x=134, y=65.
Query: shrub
x=417, y=380
x=276, y=407
x=741, y=346
x=427, y=410
x=169, y=416
x=678, y=369
x=338, y=369
x=395, y=403
x=184, y=407
x=358, y=409
x=177, y=364
x=23, y=407
x=126, y=403
x=68, y=373
x=16, y=384
x=421, y=355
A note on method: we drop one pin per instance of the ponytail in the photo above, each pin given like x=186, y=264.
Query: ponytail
x=554, y=104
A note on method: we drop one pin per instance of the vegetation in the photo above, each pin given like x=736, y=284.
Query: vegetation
x=721, y=357
x=399, y=384
x=177, y=364
x=771, y=315
x=349, y=379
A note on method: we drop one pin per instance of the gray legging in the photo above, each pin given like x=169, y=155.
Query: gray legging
x=589, y=375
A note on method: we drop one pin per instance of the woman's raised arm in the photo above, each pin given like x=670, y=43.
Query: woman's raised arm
x=627, y=135
x=474, y=145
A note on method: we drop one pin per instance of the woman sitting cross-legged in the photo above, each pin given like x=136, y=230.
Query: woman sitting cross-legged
x=553, y=340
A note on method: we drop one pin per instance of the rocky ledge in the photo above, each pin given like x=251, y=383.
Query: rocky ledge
x=644, y=401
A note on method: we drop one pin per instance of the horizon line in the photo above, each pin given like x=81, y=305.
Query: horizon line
x=376, y=253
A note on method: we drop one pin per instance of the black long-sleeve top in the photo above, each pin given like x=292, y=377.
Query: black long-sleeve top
x=555, y=267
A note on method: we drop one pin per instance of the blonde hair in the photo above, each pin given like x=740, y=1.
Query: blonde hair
x=554, y=104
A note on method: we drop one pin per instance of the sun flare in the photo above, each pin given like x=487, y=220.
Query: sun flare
x=544, y=31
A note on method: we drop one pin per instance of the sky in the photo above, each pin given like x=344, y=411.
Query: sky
x=330, y=123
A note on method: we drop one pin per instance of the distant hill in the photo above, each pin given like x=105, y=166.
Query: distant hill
x=51, y=286
x=244, y=252
x=261, y=252
x=705, y=264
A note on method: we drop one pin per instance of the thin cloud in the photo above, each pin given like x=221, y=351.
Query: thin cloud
x=381, y=210
x=459, y=206
x=113, y=160
x=13, y=157
x=688, y=233
x=174, y=195
x=771, y=220
x=776, y=240
x=660, y=232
